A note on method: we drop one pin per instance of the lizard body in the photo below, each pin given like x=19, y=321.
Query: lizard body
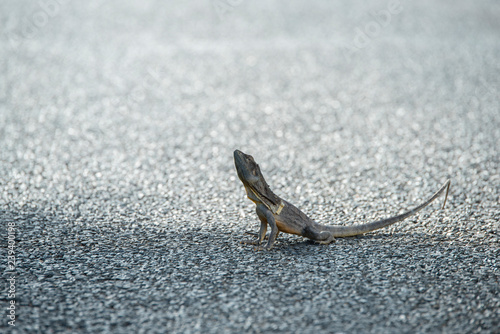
x=282, y=216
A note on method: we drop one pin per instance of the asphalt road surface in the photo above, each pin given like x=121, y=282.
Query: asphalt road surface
x=120, y=206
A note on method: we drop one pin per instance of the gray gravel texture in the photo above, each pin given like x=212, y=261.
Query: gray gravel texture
x=118, y=122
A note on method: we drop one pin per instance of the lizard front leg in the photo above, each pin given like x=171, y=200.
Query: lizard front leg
x=266, y=216
x=260, y=235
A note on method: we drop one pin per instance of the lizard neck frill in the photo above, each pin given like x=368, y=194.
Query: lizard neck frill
x=275, y=204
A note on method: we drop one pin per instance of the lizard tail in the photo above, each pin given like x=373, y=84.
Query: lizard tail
x=348, y=231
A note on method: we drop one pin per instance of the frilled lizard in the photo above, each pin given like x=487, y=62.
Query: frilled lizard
x=282, y=216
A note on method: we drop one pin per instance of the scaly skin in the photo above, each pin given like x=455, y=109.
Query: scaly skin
x=282, y=216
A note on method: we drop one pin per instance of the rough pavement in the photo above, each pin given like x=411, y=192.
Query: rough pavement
x=118, y=120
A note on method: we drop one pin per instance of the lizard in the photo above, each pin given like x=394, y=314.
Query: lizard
x=282, y=216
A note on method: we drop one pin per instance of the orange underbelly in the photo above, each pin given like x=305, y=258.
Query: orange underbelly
x=286, y=228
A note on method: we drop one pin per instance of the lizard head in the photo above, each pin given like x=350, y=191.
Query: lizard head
x=255, y=185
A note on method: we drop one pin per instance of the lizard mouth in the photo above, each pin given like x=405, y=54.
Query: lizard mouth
x=237, y=155
x=242, y=168
x=238, y=162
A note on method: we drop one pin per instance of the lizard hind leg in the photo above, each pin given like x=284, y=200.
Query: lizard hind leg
x=317, y=235
x=325, y=238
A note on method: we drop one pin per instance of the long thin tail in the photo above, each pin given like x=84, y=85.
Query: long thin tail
x=348, y=231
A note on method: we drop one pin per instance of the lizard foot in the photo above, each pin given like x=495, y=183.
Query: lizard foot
x=255, y=234
x=330, y=239
x=261, y=248
x=250, y=242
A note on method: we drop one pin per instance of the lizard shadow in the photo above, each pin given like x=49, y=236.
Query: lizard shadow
x=306, y=246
